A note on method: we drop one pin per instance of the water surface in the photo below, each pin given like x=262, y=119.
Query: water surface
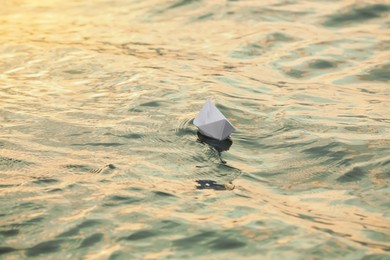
x=99, y=157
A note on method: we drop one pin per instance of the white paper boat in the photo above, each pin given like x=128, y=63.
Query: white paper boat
x=212, y=123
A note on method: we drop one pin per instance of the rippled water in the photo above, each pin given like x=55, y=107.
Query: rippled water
x=99, y=157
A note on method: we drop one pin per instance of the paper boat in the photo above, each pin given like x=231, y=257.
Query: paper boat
x=212, y=123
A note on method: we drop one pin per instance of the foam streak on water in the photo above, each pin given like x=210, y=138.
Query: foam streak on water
x=99, y=157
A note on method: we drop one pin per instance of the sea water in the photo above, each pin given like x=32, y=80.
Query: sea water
x=99, y=158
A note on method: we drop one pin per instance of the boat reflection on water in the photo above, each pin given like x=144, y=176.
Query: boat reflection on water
x=219, y=147
x=210, y=185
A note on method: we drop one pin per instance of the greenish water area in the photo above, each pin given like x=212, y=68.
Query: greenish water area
x=99, y=158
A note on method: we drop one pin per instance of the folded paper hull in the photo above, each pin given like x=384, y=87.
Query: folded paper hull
x=219, y=130
x=212, y=123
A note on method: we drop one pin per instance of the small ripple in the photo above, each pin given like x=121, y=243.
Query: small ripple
x=46, y=247
x=332, y=232
x=164, y=194
x=132, y=136
x=184, y=128
x=139, y=235
x=357, y=14
x=224, y=243
x=117, y=200
x=380, y=73
x=92, y=240
x=45, y=181
x=248, y=51
x=55, y=190
x=7, y=163
x=152, y=104
x=78, y=168
x=181, y=3
x=322, y=64
x=87, y=224
x=200, y=238
x=99, y=144
x=117, y=255
x=314, y=68
x=6, y=250
x=356, y=174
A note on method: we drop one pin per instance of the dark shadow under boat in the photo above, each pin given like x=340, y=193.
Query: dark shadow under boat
x=219, y=146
